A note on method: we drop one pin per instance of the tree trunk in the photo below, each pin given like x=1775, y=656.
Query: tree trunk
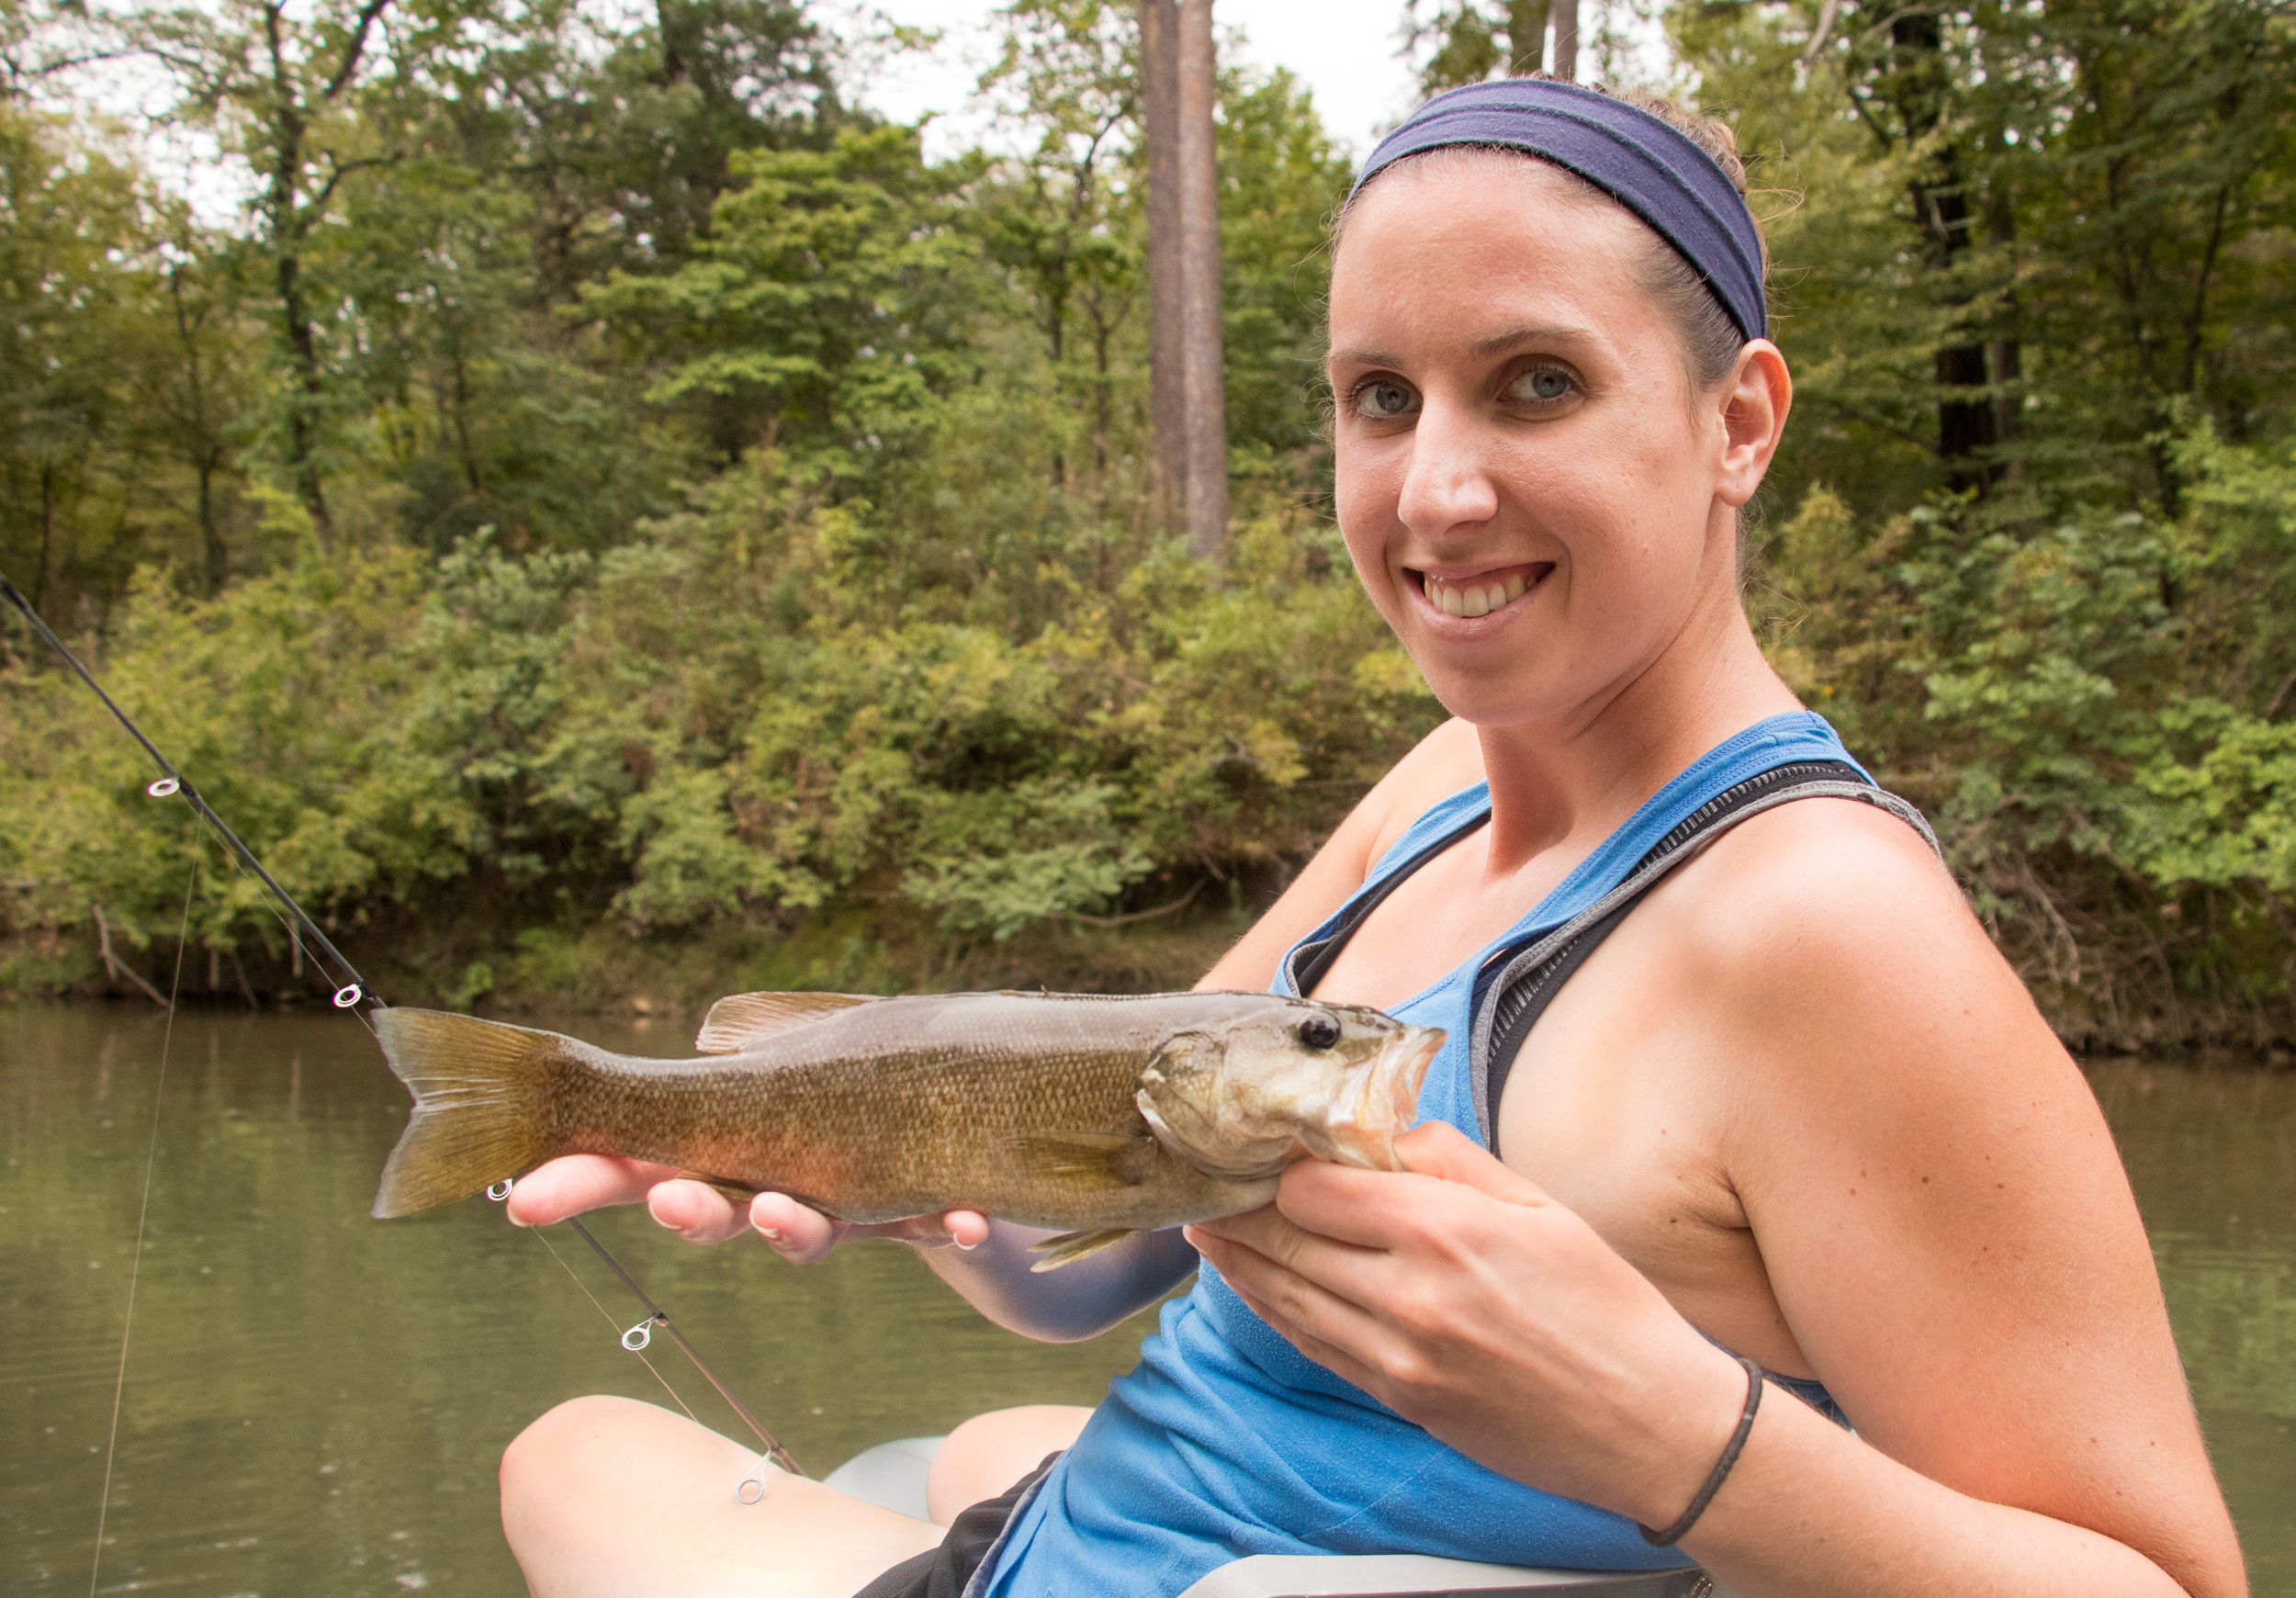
x=1160, y=117
x=304, y=404
x=206, y=457
x=1203, y=380
x=1567, y=40
x=218, y=558
x=2004, y=355
x=1940, y=204
x=1526, y=37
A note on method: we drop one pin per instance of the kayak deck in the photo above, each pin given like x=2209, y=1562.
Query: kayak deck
x=891, y=1475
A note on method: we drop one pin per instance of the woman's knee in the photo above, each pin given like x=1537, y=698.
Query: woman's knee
x=571, y=1448
x=985, y=1455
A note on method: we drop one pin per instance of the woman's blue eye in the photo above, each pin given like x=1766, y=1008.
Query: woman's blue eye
x=1541, y=386
x=1382, y=401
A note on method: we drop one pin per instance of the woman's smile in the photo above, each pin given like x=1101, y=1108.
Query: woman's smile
x=1476, y=594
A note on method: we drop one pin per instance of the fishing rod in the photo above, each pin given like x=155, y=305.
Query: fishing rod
x=353, y=991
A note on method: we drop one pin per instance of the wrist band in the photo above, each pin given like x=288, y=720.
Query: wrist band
x=1721, y=1471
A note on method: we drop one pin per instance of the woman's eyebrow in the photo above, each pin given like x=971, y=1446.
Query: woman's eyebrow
x=1529, y=332
x=1491, y=344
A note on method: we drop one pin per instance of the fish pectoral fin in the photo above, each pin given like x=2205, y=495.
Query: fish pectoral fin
x=1072, y=1246
x=1090, y=1160
x=747, y=1020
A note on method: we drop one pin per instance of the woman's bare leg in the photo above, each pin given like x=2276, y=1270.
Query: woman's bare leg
x=988, y=1454
x=610, y=1497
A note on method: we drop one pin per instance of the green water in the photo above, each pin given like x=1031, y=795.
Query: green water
x=315, y=1402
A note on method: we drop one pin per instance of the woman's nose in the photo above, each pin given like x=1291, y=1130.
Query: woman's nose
x=1448, y=481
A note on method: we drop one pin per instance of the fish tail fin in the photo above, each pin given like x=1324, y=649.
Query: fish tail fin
x=476, y=1085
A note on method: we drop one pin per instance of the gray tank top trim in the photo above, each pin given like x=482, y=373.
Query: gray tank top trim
x=1694, y=836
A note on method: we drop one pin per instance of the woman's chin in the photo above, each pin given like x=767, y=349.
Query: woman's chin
x=1516, y=699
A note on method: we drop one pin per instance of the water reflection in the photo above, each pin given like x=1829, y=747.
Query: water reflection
x=315, y=1402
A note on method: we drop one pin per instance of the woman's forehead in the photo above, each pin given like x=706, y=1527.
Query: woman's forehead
x=1469, y=244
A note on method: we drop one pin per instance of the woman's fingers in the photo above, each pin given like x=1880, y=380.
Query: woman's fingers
x=1330, y=1355
x=965, y=1228
x=1439, y=1149
x=797, y=1232
x=551, y=1192
x=695, y=1211
x=804, y=1235
x=1344, y=1334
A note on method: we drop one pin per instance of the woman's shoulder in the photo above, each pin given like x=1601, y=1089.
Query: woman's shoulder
x=1814, y=887
x=1828, y=929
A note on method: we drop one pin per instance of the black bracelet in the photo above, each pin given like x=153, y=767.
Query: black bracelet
x=1721, y=1471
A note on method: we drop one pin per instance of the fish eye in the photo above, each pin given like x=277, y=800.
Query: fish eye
x=1316, y=1031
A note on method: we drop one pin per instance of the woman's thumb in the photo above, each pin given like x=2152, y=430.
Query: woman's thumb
x=1440, y=1150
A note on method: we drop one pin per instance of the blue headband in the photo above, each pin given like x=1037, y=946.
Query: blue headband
x=1651, y=167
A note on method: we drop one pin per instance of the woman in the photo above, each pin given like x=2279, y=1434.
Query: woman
x=1793, y=1114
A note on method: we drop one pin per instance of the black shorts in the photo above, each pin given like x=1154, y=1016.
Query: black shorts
x=942, y=1572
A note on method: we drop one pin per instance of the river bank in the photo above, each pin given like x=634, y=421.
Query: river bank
x=606, y=970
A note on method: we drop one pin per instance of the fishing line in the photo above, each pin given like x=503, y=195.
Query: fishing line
x=610, y=1321
x=349, y=996
x=173, y=783
x=143, y=1210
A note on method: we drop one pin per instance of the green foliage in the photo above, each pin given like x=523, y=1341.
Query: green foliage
x=610, y=506
x=832, y=296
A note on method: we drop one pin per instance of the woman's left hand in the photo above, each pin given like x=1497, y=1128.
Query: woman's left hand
x=1465, y=1299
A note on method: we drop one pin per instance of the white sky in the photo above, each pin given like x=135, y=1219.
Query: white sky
x=1345, y=52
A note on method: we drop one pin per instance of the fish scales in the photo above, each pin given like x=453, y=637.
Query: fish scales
x=937, y=1122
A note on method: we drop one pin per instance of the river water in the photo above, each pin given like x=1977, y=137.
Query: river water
x=315, y=1402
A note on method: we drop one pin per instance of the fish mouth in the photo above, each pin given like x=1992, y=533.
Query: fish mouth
x=1381, y=1105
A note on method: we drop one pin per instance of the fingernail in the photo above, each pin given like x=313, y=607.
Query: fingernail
x=968, y=1247
x=769, y=1233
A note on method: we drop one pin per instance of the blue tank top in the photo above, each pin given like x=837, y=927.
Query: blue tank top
x=1227, y=1442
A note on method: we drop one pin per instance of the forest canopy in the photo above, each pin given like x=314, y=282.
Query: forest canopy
x=610, y=519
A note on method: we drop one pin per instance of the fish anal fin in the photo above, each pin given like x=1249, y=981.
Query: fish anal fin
x=1071, y=1246
x=738, y=1194
x=745, y=1019
x=1090, y=1160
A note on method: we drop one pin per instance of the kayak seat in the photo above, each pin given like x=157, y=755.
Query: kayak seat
x=891, y=1475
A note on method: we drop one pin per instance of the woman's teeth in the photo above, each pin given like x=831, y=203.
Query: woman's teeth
x=1475, y=597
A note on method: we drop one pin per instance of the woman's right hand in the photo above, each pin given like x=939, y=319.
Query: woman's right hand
x=700, y=1213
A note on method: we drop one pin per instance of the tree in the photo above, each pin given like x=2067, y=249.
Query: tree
x=280, y=90
x=827, y=307
x=1060, y=220
x=1474, y=40
x=2083, y=189
x=69, y=229
x=1180, y=58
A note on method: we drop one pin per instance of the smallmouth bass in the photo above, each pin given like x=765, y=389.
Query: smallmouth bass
x=1097, y=1116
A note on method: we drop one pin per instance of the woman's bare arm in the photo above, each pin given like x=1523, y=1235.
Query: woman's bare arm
x=1941, y=1217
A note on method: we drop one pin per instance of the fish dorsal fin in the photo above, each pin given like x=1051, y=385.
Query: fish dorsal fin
x=747, y=1020
x=1085, y=1159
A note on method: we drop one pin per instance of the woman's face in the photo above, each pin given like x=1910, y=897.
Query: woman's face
x=1531, y=491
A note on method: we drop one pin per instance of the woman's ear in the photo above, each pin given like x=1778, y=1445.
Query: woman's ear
x=1754, y=399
